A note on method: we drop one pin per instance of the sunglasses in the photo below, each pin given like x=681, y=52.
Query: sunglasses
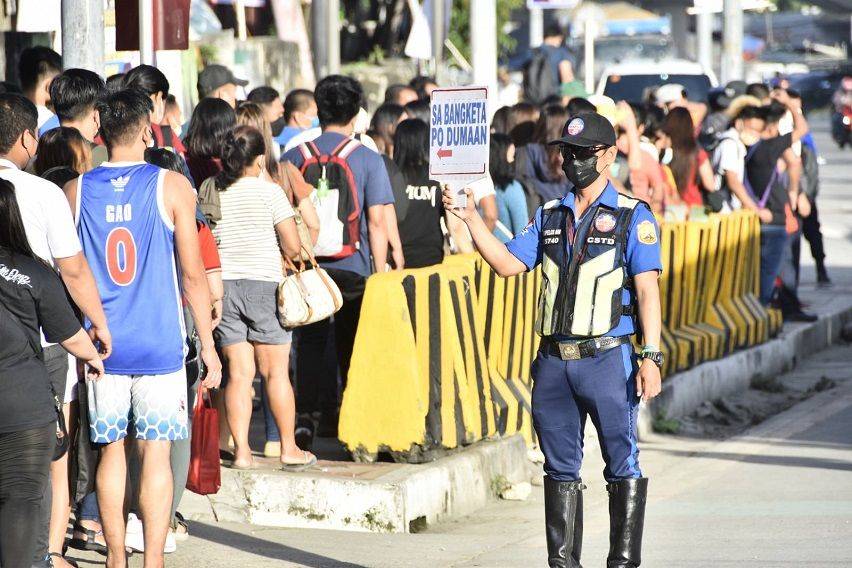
x=581, y=152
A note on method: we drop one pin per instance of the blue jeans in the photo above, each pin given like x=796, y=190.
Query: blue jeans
x=773, y=241
x=602, y=388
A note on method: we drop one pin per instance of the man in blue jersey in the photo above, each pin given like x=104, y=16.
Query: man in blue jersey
x=131, y=218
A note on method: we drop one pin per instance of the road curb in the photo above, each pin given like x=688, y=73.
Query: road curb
x=380, y=497
x=684, y=392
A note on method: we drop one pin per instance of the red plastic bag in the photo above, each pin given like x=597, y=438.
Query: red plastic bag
x=204, y=471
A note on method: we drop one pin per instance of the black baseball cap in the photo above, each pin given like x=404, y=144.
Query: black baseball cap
x=214, y=76
x=587, y=129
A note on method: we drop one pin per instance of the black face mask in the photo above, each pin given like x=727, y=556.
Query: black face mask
x=581, y=172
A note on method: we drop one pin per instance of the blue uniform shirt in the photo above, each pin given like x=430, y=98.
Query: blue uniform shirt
x=641, y=256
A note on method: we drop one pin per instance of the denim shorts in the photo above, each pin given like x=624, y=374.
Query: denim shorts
x=250, y=314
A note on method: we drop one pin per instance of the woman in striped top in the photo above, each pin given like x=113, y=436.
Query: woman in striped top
x=256, y=217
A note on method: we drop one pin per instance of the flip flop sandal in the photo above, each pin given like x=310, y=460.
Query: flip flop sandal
x=59, y=555
x=90, y=543
x=180, y=528
x=300, y=466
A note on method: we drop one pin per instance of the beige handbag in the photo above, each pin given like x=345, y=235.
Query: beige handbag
x=306, y=295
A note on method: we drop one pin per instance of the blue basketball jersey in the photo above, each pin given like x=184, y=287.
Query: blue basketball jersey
x=128, y=239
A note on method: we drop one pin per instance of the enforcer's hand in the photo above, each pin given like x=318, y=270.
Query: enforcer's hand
x=449, y=198
x=648, y=380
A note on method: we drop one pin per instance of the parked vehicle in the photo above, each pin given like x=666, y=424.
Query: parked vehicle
x=635, y=80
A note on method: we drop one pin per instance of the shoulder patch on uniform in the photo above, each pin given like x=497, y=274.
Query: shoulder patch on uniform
x=551, y=204
x=646, y=232
x=629, y=202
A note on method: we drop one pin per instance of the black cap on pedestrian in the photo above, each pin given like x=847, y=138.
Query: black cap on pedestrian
x=587, y=129
x=214, y=76
x=735, y=89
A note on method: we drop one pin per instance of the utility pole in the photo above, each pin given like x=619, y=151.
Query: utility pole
x=83, y=35
x=704, y=34
x=146, y=32
x=333, y=36
x=536, y=27
x=438, y=35
x=732, y=41
x=483, y=47
x=325, y=37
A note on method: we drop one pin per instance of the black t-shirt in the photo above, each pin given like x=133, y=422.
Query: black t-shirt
x=759, y=167
x=398, y=185
x=420, y=230
x=35, y=295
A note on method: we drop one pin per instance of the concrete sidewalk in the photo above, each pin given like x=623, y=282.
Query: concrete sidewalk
x=778, y=495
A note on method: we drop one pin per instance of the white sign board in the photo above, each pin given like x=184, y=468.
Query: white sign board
x=552, y=3
x=459, y=136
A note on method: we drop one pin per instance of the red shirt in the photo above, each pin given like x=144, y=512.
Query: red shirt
x=691, y=194
x=165, y=138
x=209, y=252
x=202, y=168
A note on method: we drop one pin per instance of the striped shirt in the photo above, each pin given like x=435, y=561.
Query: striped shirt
x=248, y=243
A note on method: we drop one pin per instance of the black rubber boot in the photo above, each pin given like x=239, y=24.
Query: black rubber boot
x=563, y=511
x=626, y=519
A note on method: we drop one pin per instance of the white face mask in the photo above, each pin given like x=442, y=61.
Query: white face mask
x=667, y=156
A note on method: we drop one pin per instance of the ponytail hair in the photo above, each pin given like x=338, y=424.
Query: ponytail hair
x=241, y=148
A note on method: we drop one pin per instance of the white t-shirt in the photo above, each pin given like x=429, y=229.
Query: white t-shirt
x=313, y=133
x=302, y=137
x=44, y=115
x=248, y=242
x=46, y=214
x=729, y=156
x=482, y=188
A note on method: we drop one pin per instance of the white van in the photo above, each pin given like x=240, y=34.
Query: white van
x=633, y=81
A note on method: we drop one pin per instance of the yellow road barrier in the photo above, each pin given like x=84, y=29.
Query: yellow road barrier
x=442, y=355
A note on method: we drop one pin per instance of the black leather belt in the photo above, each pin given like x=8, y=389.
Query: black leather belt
x=573, y=350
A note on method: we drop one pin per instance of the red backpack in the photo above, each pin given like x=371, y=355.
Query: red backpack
x=335, y=199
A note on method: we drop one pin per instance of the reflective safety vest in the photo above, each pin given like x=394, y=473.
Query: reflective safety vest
x=582, y=296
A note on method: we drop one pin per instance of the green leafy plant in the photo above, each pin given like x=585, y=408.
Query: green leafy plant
x=459, y=32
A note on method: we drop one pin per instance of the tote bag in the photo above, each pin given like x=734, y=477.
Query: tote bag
x=204, y=471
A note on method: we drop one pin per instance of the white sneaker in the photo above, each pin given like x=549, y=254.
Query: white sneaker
x=134, y=538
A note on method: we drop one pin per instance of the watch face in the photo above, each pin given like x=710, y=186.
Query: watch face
x=656, y=357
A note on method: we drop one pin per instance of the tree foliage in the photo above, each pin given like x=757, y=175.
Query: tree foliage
x=459, y=32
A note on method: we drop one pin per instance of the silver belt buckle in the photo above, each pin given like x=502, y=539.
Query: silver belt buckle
x=569, y=351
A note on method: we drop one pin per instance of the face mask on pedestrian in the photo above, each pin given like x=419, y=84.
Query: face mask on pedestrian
x=581, y=164
x=749, y=137
x=29, y=142
x=666, y=156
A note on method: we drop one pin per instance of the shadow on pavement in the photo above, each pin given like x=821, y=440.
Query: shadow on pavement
x=784, y=461
x=265, y=548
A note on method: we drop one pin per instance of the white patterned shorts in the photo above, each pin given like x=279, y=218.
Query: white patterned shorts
x=154, y=404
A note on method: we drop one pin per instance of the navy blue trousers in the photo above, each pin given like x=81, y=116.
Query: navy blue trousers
x=602, y=388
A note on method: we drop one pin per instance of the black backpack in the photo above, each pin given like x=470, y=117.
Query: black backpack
x=539, y=82
x=336, y=198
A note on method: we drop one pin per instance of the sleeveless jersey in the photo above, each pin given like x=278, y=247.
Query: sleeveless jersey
x=128, y=240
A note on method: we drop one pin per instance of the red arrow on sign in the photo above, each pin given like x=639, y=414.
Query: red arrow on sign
x=444, y=153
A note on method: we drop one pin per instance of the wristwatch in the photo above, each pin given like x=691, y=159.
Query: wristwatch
x=656, y=356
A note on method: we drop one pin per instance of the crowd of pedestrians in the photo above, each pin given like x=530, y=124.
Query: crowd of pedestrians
x=170, y=238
